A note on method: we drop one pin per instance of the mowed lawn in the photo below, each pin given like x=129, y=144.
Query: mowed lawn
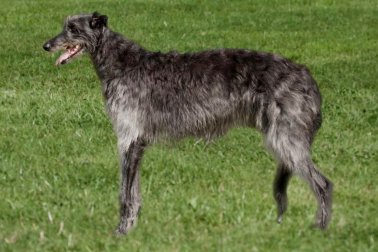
x=58, y=158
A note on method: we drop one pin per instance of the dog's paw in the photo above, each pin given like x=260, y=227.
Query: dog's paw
x=120, y=231
x=279, y=219
x=125, y=226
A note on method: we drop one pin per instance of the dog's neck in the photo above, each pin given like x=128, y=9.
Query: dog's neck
x=113, y=48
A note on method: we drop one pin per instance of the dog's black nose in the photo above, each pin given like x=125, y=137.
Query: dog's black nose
x=47, y=46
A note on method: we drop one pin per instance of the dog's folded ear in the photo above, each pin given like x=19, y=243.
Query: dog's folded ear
x=98, y=20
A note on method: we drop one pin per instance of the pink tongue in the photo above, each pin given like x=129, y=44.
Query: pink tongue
x=62, y=59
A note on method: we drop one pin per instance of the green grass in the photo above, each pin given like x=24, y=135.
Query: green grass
x=58, y=158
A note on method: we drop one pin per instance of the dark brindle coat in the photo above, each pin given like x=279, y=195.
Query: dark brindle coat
x=153, y=95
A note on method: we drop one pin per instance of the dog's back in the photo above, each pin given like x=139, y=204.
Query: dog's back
x=204, y=94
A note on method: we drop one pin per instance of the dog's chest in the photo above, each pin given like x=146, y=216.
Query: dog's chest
x=124, y=115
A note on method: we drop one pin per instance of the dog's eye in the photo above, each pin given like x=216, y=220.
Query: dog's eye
x=72, y=28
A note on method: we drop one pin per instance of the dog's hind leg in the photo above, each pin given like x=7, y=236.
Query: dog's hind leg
x=322, y=188
x=297, y=160
x=289, y=138
x=280, y=184
x=130, y=198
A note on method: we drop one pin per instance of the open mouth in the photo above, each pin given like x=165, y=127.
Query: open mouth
x=70, y=53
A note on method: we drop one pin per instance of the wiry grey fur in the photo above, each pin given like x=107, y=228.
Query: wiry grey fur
x=153, y=95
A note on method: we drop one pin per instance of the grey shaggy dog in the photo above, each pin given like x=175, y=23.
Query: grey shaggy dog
x=151, y=96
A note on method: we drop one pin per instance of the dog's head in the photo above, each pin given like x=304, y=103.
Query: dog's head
x=80, y=33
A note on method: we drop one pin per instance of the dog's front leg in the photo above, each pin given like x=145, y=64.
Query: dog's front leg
x=130, y=198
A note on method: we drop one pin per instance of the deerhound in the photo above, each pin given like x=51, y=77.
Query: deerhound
x=151, y=96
